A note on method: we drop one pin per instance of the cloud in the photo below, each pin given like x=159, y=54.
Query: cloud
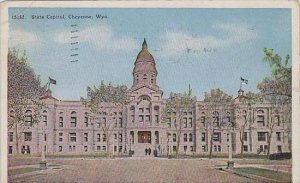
x=229, y=35
x=102, y=37
x=22, y=38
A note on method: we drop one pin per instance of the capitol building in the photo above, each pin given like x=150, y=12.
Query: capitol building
x=66, y=126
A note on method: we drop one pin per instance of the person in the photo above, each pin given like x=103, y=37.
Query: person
x=146, y=151
x=149, y=151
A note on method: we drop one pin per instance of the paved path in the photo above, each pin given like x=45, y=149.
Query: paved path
x=280, y=168
x=134, y=171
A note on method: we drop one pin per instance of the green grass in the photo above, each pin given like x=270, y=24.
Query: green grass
x=280, y=176
x=21, y=171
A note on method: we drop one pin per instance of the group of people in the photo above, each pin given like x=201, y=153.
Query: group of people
x=148, y=151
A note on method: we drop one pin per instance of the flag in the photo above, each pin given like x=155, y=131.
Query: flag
x=244, y=80
x=52, y=81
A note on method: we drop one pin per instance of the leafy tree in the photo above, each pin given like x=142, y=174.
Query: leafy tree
x=216, y=103
x=176, y=106
x=277, y=89
x=105, y=94
x=24, y=92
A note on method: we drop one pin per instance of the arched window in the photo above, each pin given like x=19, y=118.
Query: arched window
x=45, y=117
x=28, y=118
x=260, y=117
x=73, y=119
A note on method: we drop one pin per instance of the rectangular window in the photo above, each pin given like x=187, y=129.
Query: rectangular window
x=277, y=120
x=202, y=120
x=261, y=136
x=185, y=137
x=120, y=137
x=245, y=148
x=27, y=136
x=169, y=122
x=86, y=121
x=28, y=120
x=156, y=119
x=245, y=136
x=279, y=149
x=73, y=121
x=192, y=148
x=103, y=148
x=61, y=121
x=11, y=136
x=45, y=137
x=190, y=137
x=98, y=148
x=147, y=110
x=86, y=137
x=174, y=148
x=141, y=110
x=60, y=139
x=185, y=148
x=59, y=148
x=217, y=137
x=190, y=122
x=261, y=120
x=147, y=118
x=120, y=122
x=98, y=137
x=104, y=137
x=85, y=148
x=45, y=120
x=203, y=135
x=141, y=118
x=72, y=137
x=185, y=122
x=278, y=135
x=10, y=149
x=174, y=137
x=203, y=148
x=219, y=148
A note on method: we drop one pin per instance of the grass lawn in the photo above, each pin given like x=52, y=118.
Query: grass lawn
x=21, y=171
x=280, y=176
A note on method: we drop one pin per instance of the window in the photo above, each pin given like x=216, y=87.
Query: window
x=192, y=148
x=86, y=121
x=202, y=119
x=185, y=148
x=104, y=137
x=278, y=135
x=120, y=122
x=174, y=148
x=28, y=118
x=190, y=137
x=148, y=118
x=85, y=148
x=279, y=149
x=217, y=137
x=73, y=119
x=59, y=148
x=185, y=122
x=27, y=136
x=45, y=137
x=120, y=137
x=169, y=122
x=261, y=136
x=72, y=148
x=60, y=139
x=203, y=148
x=86, y=137
x=98, y=137
x=147, y=110
x=174, y=137
x=115, y=136
x=219, y=148
x=141, y=118
x=103, y=148
x=203, y=137
x=190, y=122
x=260, y=118
x=277, y=120
x=245, y=136
x=157, y=119
x=245, y=148
x=120, y=148
x=10, y=149
x=61, y=121
x=11, y=136
x=145, y=77
x=216, y=119
x=72, y=137
x=44, y=118
x=141, y=110
x=185, y=137
x=98, y=148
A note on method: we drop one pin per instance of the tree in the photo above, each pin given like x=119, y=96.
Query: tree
x=278, y=89
x=216, y=104
x=115, y=96
x=176, y=106
x=245, y=117
x=24, y=92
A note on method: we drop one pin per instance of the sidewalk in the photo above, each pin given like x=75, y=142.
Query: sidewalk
x=280, y=168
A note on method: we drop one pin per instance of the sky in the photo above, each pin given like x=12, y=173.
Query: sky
x=206, y=48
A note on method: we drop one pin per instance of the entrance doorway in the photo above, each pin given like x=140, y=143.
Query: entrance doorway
x=144, y=137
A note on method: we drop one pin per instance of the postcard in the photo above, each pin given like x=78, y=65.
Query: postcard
x=154, y=91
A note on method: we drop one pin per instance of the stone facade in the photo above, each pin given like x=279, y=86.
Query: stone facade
x=66, y=126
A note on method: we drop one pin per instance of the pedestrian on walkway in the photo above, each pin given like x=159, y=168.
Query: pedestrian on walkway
x=146, y=151
x=149, y=151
